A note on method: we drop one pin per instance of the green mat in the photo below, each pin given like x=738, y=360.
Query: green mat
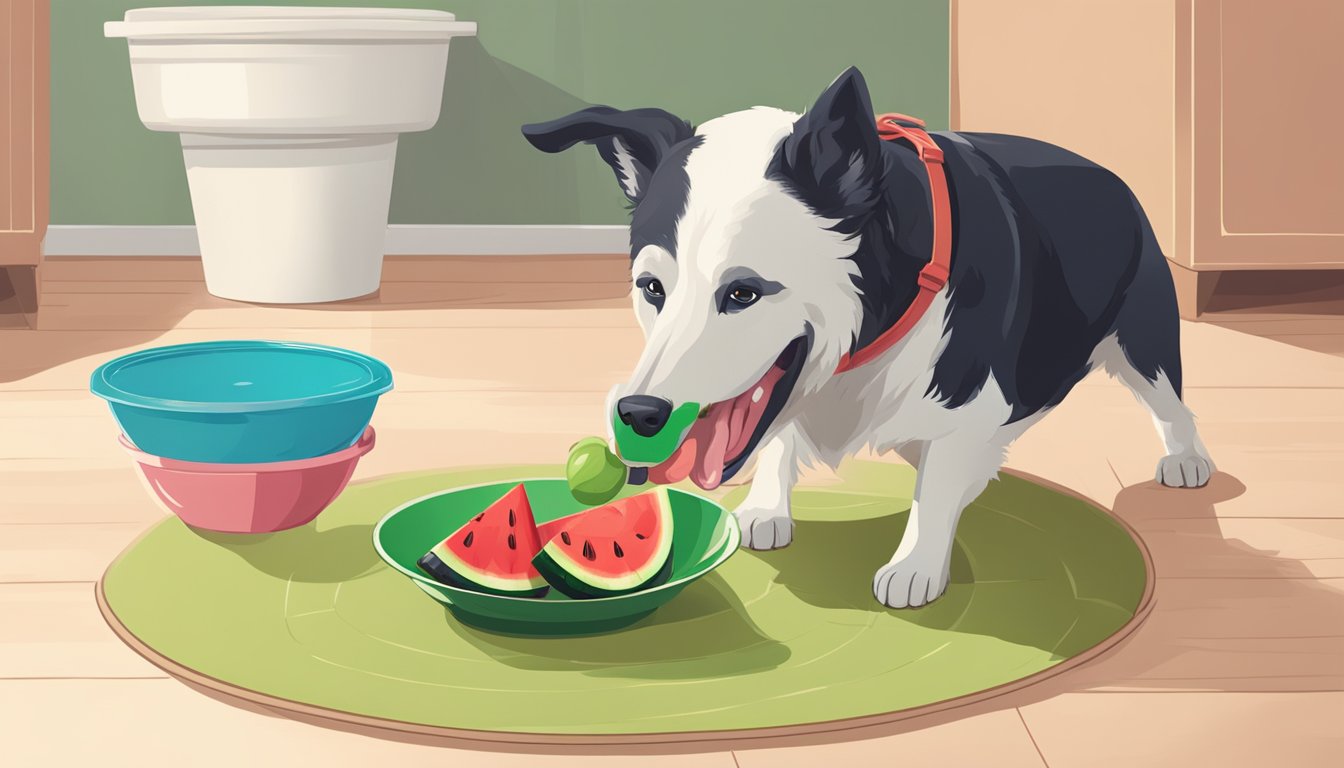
x=770, y=639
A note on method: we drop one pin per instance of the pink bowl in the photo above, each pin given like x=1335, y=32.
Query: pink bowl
x=250, y=498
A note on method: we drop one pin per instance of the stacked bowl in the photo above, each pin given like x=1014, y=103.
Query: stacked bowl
x=244, y=436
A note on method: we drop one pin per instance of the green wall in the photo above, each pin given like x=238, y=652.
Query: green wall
x=533, y=60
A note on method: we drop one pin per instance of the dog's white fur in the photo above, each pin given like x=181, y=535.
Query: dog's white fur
x=626, y=174
x=736, y=218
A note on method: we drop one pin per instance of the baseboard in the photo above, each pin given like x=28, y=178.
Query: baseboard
x=402, y=240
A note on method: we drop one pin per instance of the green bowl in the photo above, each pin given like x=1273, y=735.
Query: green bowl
x=704, y=536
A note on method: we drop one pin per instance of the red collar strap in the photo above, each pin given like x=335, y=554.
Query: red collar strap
x=933, y=276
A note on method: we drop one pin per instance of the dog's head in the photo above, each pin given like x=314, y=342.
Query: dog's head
x=741, y=238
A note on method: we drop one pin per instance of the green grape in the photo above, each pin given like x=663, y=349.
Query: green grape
x=595, y=474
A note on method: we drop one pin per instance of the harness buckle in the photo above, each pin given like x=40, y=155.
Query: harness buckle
x=933, y=277
x=930, y=153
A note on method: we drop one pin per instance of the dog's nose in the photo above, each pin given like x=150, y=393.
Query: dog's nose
x=644, y=413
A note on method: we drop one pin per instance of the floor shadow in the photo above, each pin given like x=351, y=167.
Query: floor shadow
x=1301, y=308
x=1042, y=604
x=73, y=323
x=306, y=553
x=705, y=632
x=1305, y=292
x=489, y=282
x=1226, y=616
x=830, y=564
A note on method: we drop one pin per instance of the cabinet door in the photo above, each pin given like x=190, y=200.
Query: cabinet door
x=25, y=139
x=24, y=130
x=1266, y=177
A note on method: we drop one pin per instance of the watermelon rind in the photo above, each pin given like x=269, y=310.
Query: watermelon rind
x=448, y=569
x=570, y=585
x=571, y=578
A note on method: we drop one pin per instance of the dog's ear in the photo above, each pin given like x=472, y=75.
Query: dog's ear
x=633, y=142
x=833, y=159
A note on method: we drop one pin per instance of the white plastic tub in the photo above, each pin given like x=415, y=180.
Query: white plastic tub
x=289, y=120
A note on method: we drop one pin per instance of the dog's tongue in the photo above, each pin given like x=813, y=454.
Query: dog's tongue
x=726, y=426
x=701, y=455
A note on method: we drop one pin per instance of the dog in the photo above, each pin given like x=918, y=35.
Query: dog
x=766, y=246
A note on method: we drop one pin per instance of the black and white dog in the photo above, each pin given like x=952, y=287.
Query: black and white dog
x=766, y=245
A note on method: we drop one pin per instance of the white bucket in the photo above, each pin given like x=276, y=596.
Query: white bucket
x=289, y=120
x=290, y=220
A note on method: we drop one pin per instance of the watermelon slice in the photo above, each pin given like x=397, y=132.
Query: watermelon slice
x=616, y=549
x=493, y=552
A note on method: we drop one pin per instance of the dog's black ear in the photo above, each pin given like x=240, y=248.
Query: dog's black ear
x=633, y=142
x=832, y=160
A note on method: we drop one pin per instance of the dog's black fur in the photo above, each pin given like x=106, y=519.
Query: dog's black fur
x=1051, y=252
x=659, y=143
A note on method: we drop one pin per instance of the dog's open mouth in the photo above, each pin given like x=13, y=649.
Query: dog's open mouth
x=723, y=438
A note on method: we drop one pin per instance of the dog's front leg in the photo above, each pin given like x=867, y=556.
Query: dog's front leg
x=951, y=474
x=764, y=514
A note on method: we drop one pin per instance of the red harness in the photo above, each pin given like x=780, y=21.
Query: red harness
x=933, y=276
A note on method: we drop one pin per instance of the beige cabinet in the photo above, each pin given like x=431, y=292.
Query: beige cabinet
x=1222, y=115
x=25, y=141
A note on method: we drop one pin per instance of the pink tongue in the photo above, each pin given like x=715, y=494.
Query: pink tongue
x=701, y=455
x=724, y=431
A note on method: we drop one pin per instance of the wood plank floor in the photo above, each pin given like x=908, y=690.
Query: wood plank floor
x=507, y=359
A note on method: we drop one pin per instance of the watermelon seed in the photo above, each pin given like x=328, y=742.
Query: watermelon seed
x=617, y=547
x=467, y=541
x=511, y=518
x=588, y=551
x=513, y=543
x=478, y=517
x=640, y=536
x=564, y=536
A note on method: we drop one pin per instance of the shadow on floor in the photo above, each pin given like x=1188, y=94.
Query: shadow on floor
x=706, y=630
x=1030, y=567
x=327, y=555
x=1227, y=616
x=1304, y=309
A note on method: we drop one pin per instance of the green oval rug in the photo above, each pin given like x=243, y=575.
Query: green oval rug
x=311, y=621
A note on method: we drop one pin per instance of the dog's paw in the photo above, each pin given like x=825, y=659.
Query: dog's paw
x=764, y=528
x=1187, y=470
x=911, y=581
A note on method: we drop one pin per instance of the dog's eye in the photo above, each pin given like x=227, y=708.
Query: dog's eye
x=654, y=289
x=744, y=297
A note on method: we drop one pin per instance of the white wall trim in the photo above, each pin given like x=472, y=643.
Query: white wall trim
x=402, y=240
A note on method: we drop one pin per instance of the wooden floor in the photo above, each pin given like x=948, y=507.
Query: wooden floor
x=506, y=360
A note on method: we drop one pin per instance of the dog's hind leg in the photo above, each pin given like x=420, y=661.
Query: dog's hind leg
x=1145, y=354
x=953, y=470
x=764, y=515
x=1187, y=463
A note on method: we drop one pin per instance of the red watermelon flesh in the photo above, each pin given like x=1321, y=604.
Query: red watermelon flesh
x=549, y=530
x=616, y=549
x=493, y=551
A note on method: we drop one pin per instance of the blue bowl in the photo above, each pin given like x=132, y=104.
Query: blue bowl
x=242, y=402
